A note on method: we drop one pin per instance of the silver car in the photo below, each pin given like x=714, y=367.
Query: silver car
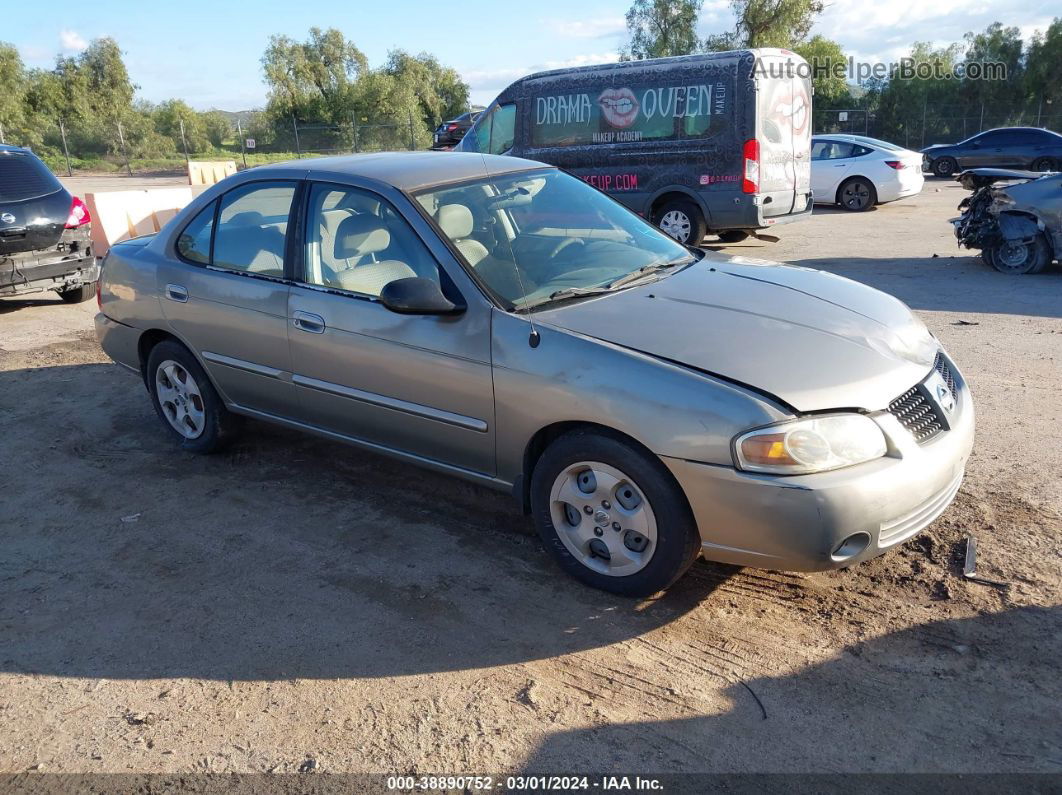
x=505, y=322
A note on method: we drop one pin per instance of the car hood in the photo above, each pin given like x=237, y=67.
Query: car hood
x=935, y=147
x=813, y=340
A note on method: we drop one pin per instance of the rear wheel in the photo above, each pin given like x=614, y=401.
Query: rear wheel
x=76, y=295
x=857, y=194
x=945, y=166
x=1019, y=258
x=1044, y=164
x=186, y=401
x=733, y=236
x=612, y=515
x=683, y=220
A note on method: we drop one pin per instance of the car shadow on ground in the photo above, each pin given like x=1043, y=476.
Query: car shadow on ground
x=285, y=557
x=9, y=304
x=946, y=697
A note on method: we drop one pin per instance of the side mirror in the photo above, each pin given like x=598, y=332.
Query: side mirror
x=417, y=296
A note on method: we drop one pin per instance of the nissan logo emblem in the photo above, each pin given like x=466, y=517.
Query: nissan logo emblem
x=945, y=398
x=7, y=218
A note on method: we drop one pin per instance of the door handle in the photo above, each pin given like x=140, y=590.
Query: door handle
x=307, y=321
x=177, y=293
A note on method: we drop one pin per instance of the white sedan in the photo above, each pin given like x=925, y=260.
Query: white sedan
x=857, y=172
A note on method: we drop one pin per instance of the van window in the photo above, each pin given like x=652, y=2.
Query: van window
x=627, y=114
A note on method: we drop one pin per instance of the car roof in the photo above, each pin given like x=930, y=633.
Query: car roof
x=11, y=148
x=412, y=171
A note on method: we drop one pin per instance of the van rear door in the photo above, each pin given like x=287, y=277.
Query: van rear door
x=783, y=133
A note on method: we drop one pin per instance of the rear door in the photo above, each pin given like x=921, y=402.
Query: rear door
x=225, y=293
x=783, y=131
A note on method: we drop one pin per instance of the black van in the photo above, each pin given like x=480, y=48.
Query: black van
x=701, y=144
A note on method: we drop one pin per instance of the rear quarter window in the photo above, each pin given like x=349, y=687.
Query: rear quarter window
x=23, y=176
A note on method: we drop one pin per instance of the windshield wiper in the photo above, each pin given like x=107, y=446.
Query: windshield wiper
x=643, y=271
x=568, y=292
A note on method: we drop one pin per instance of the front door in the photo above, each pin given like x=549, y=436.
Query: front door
x=415, y=384
x=225, y=294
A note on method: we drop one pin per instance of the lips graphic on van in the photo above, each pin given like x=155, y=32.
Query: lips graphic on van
x=619, y=105
x=792, y=111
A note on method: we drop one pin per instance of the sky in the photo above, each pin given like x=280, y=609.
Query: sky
x=208, y=53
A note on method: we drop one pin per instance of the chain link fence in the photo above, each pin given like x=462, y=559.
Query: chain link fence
x=934, y=124
x=135, y=145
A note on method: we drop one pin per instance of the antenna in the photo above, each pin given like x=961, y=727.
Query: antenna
x=534, y=338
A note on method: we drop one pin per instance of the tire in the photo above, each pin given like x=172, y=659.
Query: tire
x=1021, y=259
x=638, y=514
x=683, y=220
x=79, y=294
x=857, y=194
x=207, y=425
x=944, y=167
x=733, y=236
x=1044, y=164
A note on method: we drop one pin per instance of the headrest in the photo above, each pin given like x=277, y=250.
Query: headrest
x=455, y=220
x=247, y=218
x=359, y=235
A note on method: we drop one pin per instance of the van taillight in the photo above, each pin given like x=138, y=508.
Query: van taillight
x=79, y=214
x=750, y=182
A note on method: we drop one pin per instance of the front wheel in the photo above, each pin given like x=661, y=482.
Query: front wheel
x=683, y=220
x=1019, y=258
x=612, y=515
x=186, y=401
x=944, y=167
x=77, y=295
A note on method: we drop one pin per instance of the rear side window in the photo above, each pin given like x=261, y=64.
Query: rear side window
x=630, y=114
x=23, y=176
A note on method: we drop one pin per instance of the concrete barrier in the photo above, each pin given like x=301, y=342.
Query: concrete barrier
x=206, y=172
x=121, y=215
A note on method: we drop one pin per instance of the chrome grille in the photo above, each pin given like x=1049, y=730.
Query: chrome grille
x=918, y=414
x=941, y=366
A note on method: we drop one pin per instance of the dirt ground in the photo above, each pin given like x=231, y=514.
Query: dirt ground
x=295, y=599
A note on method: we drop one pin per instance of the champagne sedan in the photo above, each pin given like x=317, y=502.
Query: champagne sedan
x=502, y=321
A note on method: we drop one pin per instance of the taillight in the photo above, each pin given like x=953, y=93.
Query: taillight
x=898, y=165
x=79, y=214
x=99, y=282
x=751, y=181
x=451, y=127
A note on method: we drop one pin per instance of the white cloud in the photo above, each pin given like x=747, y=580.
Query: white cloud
x=594, y=28
x=72, y=41
x=486, y=83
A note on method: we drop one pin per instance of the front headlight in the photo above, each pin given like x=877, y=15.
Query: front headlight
x=814, y=444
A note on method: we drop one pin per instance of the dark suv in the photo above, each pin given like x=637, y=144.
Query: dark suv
x=450, y=133
x=1030, y=148
x=44, y=231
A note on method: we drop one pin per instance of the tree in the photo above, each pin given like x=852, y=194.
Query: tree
x=774, y=23
x=169, y=117
x=661, y=28
x=440, y=91
x=1042, y=62
x=314, y=78
x=216, y=127
x=824, y=56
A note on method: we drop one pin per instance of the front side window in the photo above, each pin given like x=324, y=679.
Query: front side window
x=532, y=237
x=193, y=244
x=358, y=242
x=252, y=228
x=494, y=133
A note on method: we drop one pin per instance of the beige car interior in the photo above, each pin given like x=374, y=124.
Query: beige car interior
x=246, y=242
x=456, y=222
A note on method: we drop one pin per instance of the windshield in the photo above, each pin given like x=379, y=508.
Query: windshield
x=539, y=236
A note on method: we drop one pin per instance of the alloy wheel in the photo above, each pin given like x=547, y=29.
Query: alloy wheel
x=180, y=398
x=855, y=195
x=603, y=519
